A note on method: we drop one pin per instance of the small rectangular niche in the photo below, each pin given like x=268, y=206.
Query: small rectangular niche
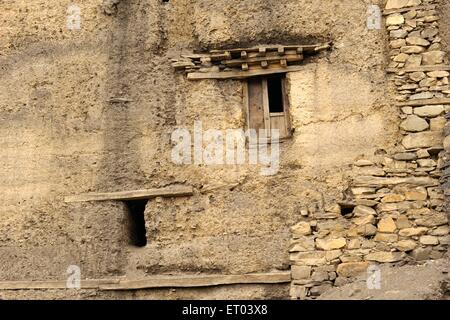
x=136, y=222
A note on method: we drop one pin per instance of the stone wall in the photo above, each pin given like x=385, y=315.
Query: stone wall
x=394, y=210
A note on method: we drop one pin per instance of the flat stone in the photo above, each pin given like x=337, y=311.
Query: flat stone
x=300, y=272
x=398, y=43
x=330, y=244
x=429, y=33
x=417, y=76
x=426, y=163
x=370, y=171
x=440, y=231
x=399, y=4
x=421, y=254
x=360, y=211
x=437, y=124
x=301, y=229
x=386, y=237
x=402, y=222
x=421, y=96
x=395, y=19
x=429, y=111
x=355, y=244
x=428, y=82
x=391, y=198
x=412, y=49
x=405, y=245
x=398, y=33
x=387, y=225
x=396, y=206
x=368, y=219
x=314, y=258
x=405, y=156
x=433, y=57
x=333, y=254
x=366, y=230
x=302, y=244
x=429, y=240
x=363, y=163
x=414, y=60
x=417, y=41
x=351, y=269
x=384, y=256
x=422, y=140
x=414, y=123
x=434, y=220
x=416, y=194
x=411, y=232
x=402, y=57
x=368, y=181
x=422, y=153
x=438, y=74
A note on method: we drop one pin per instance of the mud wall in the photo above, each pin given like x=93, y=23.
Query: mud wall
x=93, y=110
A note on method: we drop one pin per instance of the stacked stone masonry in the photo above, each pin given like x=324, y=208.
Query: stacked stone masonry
x=394, y=210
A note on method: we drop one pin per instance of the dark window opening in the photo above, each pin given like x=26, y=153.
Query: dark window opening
x=136, y=218
x=346, y=209
x=275, y=90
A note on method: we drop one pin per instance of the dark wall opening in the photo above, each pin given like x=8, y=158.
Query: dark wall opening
x=136, y=218
x=275, y=89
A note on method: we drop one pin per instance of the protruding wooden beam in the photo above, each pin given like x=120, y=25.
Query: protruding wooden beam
x=176, y=281
x=199, y=281
x=173, y=191
x=239, y=75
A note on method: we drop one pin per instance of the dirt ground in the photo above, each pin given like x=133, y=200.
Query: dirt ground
x=428, y=281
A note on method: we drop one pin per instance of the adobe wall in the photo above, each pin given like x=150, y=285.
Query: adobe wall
x=61, y=134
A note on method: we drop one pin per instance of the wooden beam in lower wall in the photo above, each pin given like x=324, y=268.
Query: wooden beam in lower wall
x=173, y=191
x=185, y=281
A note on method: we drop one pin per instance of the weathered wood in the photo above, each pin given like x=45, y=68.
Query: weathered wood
x=184, y=281
x=173, y=191
x=306, y=47
x=238, y=62
x=239, y=75
x=265, y=101
x=199, y=281
x=55, y=284
x=424, y=102
x=255, y=104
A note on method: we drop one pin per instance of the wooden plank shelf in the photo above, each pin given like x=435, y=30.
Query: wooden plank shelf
x=172, y=281
x=172, y=191
x=238, y=75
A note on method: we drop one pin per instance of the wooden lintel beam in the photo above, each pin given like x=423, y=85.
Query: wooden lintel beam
x=173, y=191
x=180, y=281
x=240, y=75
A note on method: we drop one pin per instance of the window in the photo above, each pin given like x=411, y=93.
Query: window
x=136, y=222
x=267, y=104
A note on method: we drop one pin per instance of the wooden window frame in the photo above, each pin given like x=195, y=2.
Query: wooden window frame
x=268, y=116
